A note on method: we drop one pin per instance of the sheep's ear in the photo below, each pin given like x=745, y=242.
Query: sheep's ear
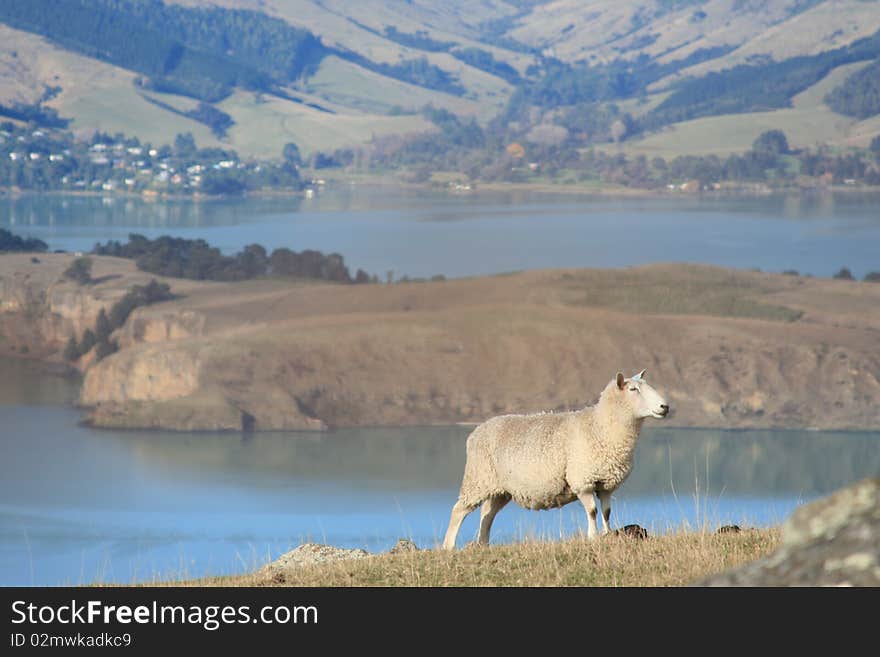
x=640, y=376
x=620, y=380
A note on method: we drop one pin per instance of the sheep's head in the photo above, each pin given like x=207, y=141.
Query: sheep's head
x=642, y=398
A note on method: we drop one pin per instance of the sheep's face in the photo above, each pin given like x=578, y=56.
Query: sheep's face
x=642, y=398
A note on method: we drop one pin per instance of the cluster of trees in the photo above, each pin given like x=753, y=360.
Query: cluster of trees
x=417, y=71
x=420, y=40
x=12, y=243
x=196, y=259
x=217, y=120
x=35, y=113
x=552, y=83
x=485, y=61
x=550, y=149
x=197, y=52
x=476, y=57
x=770, y=85
x=844, y=274
x=859, y=95
x=99, y=338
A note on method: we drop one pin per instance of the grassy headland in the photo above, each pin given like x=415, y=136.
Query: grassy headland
x=729, y=348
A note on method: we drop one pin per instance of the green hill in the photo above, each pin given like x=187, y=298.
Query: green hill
x=680, y=76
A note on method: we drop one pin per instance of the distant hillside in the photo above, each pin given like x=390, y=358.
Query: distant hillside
x=332, y=74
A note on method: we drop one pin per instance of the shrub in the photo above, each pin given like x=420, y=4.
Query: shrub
x=80, y=271
x=872, y=277
x=103, y=329
x=844, y=275
x=88, y=341
x=105, y=348
x=71, y=351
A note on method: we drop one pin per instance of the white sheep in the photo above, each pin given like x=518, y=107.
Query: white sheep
x=546, y=460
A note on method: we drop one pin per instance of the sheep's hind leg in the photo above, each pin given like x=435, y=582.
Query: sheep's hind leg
x=605, y=501
x=589, y=503
x=488, y=512
x=459, y=511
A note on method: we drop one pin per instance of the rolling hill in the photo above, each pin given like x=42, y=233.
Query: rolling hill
x=695, y=76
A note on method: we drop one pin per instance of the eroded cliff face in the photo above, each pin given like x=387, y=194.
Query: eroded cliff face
x=269, y=355
x=38, y=313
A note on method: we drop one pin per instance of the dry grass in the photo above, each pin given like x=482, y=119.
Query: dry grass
x=672, y=560
x=677, y=292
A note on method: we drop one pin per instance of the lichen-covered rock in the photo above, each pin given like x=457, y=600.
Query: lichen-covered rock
x=402, y=546
x=309, y=554
x=834, y=541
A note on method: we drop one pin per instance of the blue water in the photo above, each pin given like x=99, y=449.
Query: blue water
x=426, y=233
x=79, y=505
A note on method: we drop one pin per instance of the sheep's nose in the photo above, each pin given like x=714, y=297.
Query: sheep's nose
x=664, y=408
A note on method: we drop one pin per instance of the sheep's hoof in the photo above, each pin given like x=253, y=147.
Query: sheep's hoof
x=631, y=531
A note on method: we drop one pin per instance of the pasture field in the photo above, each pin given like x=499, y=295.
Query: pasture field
x=807, y=124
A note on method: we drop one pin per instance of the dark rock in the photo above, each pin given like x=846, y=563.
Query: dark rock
x=403, y=545
x=729, y=529
x=632, y=531
x=834, y=541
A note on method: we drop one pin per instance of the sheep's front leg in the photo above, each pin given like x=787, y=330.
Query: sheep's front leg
x=589, y=503
x=459, y=511
x=605, y=501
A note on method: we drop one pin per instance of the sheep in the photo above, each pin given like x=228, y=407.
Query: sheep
x=546, y=460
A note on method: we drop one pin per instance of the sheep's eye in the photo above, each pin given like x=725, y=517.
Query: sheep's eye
x=634, y=389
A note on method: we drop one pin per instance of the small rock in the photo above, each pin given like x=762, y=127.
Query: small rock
x=403, y=545
x=309, y=554
x=632, y=531
x=729, y=529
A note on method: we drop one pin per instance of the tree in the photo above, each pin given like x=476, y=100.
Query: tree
x=184, y=145
x=872, y=277
x=291, y=154
x=253, y=261
x=88, y=341
x=71, y=351
x=80, y=271
x=103, y=329
x=875, y=146
x=772, y=142
x=844, y=275
x=105, y=348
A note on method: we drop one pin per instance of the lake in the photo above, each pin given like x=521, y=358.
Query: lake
x=422, y=233
x=79, y=505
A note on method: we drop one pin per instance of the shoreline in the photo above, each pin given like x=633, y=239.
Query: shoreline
x=380, y=181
